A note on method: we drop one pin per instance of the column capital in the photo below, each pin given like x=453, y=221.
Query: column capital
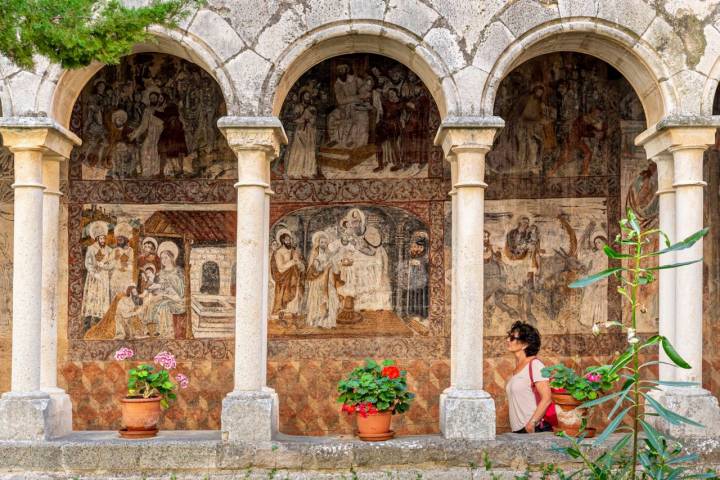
x=676, y=132
x=459, y=134
x=254, y=133
x=665, y=172
x=38, y=133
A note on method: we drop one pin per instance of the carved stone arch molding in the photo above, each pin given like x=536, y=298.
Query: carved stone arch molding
x=361, y=37
x=60, y=89
x=648, y=74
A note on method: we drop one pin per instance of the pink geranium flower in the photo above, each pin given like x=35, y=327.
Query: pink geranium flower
x=166, y=360
x=593, y=377
x=123, y=354
x=182, y=380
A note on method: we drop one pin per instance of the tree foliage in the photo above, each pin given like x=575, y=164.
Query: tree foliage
x=74, y=33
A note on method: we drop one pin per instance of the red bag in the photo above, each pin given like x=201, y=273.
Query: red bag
x=550, y=417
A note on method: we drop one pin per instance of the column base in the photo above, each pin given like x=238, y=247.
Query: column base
x=694, y=403
x=467, y=414
x=60, y=421
x=26, y=416
x=250, y=416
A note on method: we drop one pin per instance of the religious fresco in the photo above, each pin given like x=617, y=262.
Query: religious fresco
x=533, y=249
x=562, y=117
x=358, y=116
x=350, y=270
x=154, y=273
x=153, y=116
x=359, y=260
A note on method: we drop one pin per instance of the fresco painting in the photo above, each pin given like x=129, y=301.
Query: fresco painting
x=358, y=116
x=532, y=250
x=349, y=270
x=562, y=117
x=152, y=116
x=138, y=282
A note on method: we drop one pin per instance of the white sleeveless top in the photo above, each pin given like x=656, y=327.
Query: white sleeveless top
x=521, y=399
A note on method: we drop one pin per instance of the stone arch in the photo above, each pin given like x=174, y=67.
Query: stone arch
x=710, y=89
x=64, y=86
x=361, y=37
x=637, y=62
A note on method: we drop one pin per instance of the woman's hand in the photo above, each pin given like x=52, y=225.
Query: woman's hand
x=530, y=427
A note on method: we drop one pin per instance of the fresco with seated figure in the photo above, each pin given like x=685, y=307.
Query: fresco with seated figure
x=156, y=273
x=358, y=116
x=348, y=271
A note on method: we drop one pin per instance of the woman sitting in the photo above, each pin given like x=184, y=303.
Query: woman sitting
x=528, y=392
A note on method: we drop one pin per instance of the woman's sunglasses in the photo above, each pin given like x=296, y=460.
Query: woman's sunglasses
x=511, y=337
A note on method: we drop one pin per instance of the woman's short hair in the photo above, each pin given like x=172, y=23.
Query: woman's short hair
x=529, y=335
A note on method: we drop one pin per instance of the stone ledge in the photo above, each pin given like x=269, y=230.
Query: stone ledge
x=203, y=451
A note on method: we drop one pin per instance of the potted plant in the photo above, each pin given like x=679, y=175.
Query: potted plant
x=150, y=390
x=569, y=391
x=374, y=392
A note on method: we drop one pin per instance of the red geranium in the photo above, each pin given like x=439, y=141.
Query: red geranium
x=390, y=371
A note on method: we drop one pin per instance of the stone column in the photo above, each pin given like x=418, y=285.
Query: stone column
x=686, y=143
x=666, y=278
x=27, y=412
x=466, y=410
x=250, y=411
x=61, y=407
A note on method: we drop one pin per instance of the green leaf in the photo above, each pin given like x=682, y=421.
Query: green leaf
x=584, y=282
x=683, y=244
x=652, y=435
x=673, y=355
x=674, y=265
x=673, y=383
x=611, y=427
x=621, y=361
x=612, y=253
x=601, y=400
x=668, y=415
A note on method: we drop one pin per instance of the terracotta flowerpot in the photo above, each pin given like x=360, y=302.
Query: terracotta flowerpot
x=569, y=416
x=375, y=426
x=140, y=417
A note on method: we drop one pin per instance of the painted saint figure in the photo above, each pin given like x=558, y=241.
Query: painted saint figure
x=150, y=127
x=301, y=158
x=322, y=297
x=98, y=265
x=170, y=296
x=123, y=258
x=287, y=269
x=413, y=276
x=347, y=124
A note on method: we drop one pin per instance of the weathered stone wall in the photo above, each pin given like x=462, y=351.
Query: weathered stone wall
x=463, y=53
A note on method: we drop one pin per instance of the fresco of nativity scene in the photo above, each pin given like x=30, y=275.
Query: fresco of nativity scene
x=349, y=271
x=166, y=274
x=358, y=116
x=153, y=116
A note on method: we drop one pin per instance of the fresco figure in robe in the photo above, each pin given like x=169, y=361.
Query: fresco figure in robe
x=287, y=270
x=98, y=265
x=123, y=258
x=364, y=262
x=413, y=277
x=348, y=123
x=323, y=302
x=170, y=292
x=301, y=159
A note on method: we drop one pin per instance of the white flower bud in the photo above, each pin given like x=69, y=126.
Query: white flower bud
x=632, y=339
